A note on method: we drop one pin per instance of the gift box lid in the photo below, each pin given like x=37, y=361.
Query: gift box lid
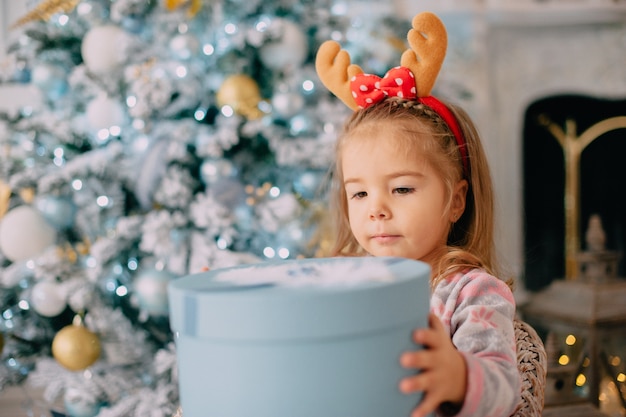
x=300, y=299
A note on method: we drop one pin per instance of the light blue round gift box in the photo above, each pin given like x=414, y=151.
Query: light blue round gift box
x=298, y=338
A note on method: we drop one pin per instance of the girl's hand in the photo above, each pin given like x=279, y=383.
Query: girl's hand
x=443, y=371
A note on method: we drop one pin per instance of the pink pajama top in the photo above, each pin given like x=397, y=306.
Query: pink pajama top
x=478, y=310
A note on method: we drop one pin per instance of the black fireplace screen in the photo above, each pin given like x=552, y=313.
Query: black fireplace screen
x=602, y=183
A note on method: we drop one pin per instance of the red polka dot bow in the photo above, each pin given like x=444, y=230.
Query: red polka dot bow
x=368, y=89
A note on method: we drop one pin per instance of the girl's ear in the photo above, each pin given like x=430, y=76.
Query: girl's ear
x=457, y=201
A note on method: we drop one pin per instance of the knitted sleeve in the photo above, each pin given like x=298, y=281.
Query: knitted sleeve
x=478, y=309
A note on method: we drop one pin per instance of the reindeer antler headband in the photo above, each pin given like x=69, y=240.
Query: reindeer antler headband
x=413, y=79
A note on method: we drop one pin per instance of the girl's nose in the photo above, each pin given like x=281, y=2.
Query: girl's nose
x=379, y=212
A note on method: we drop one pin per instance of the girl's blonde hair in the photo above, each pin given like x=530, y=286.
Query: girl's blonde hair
x=418, y=127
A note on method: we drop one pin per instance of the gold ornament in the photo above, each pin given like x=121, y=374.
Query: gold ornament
x=71, y=253
x=45, y=10
x=194, y=6
x=27, y=194
x=5, y=196
x=241, y=93
x=172, y=5
x=83, y=247
x=75, y=347
x=67, y=252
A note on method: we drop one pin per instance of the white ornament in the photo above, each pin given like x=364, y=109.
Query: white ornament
x=287, y=52
x=151, y=290
x=104, y=112
x=24, y=233
x=48, y=299
x=287, y=104
x=103, y=49
x=184, y=46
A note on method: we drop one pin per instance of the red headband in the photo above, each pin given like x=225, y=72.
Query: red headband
x=368, y=89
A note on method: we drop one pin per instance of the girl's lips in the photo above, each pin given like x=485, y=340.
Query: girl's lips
x=385, y=239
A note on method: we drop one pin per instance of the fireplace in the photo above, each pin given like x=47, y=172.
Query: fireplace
x=530, y=65
x=602, y=182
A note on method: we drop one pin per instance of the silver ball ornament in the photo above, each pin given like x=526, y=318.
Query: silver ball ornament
x=150, y=287
x=184, y=46
x=213, y=170
x=289, y=50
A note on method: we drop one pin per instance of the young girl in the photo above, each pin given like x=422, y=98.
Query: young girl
x=411, y=180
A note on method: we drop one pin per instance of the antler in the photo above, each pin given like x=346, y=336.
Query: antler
x=335, y=71
x=428, y=41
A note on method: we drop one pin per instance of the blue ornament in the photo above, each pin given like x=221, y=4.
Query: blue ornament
x=78, y=406
x=308, y=183
x=81, y=409
x=133, y=24
x=300, y=124
x=92, y=11
x=22, y=75
x=51, y=79
x=59, y=211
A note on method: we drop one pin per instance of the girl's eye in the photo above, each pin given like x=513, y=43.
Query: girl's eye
x=404, y=190
x=360, y=194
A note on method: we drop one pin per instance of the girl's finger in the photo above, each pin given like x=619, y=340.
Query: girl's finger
x=413, y=383
x=434, y=336
x=435, y=323
x=421, y=359
x=428, y=405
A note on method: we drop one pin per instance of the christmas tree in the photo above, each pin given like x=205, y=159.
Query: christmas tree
x=171, y=136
